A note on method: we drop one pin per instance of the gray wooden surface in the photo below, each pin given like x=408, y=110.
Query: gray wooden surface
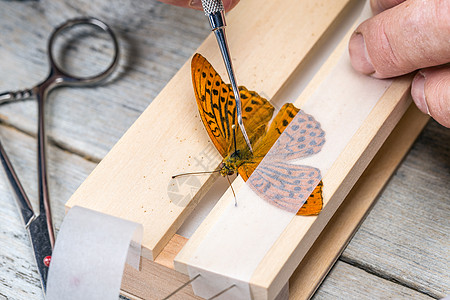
x=401, y=251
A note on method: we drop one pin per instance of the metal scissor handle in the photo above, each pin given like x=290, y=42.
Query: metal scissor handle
x=62, y=77
x=40, y=227
x=59, y=77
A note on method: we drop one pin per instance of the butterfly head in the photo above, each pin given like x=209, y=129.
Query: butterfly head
x=231, y=163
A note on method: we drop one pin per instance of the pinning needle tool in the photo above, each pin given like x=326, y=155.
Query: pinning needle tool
x=215, y=12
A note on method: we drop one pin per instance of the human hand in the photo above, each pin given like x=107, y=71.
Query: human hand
x=197, y=4
x=406, y=36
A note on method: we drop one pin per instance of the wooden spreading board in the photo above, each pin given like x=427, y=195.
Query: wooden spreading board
x=169, y=135
x=157, y=279
x=131, y=182
x=280, y=262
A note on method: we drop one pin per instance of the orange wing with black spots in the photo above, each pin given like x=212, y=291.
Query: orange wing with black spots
x=268, y=139
x=313, y=205
x=217, y=107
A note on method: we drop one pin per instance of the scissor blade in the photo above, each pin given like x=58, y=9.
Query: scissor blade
x=40, y=241
x=21, y=197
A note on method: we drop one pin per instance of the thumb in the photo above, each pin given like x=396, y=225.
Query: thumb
x=407, y=37
x=431, y=93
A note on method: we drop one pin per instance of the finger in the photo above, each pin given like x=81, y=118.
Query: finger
x=197, y=4
x=381, y=5
x=410, y=36
x=431, y=93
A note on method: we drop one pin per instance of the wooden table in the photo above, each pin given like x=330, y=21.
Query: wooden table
x=401, y=250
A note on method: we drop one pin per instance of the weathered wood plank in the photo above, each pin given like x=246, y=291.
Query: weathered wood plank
x=348, y=282
x=406, y=236
x=156, y=39
x=80, y=120
x=19, y=278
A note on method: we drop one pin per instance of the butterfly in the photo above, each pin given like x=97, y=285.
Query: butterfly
x=282, y=184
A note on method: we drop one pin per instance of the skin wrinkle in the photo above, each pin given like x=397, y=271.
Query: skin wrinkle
x=437, y=85
x=391, y=58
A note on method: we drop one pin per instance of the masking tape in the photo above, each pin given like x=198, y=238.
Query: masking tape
x=90, y=254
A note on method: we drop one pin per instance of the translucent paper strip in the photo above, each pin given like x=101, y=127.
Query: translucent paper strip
x=90, y=255
x=239, y=240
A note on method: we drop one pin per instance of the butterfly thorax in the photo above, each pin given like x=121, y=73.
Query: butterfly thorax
x=232, y=162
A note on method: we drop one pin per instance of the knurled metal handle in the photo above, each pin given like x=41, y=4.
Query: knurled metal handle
x=212, y=6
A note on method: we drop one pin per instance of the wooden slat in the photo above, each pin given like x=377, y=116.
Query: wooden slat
x=348, y=282
x=301, y=233
x=343, y=225
x=336, y=234
x=154, y=281
x=287, y=252
x=406, y=236
x=132, y=181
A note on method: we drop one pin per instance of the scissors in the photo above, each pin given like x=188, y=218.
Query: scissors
x=40, y=227
x=215, y=12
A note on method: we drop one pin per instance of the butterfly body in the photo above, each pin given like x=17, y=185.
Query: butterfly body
x=283, y=184
x=231, y=163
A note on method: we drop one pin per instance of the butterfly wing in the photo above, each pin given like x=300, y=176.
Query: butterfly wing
x=313, y=205
x=282, y=184
x=302, y=138
x=285, y=185
x=217, y=107
x=263, y=145
x=256, y=114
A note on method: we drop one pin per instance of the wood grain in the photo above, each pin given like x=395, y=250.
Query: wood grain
x=348, y=282
x=150, y=35
x=344, y=223
x=406, y=236
x=356, y=206
x=161, y=144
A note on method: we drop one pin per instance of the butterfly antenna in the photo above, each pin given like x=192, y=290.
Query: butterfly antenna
x=234, y=194
x=234, y=137
x=195, y=173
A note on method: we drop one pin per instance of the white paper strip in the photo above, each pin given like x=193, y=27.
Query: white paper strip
x=239, y=240
x=90, y=254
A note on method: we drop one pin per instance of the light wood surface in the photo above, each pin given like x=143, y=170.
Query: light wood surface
x=161, y=144
x=331, y=242
x=80, y=123
x=339, y=230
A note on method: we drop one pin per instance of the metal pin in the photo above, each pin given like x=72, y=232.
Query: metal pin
x=181, y=287
x=222, y=292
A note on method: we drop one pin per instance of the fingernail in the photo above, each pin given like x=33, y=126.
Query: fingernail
x=418, y=93
x=358, y=54
x=197, y=4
